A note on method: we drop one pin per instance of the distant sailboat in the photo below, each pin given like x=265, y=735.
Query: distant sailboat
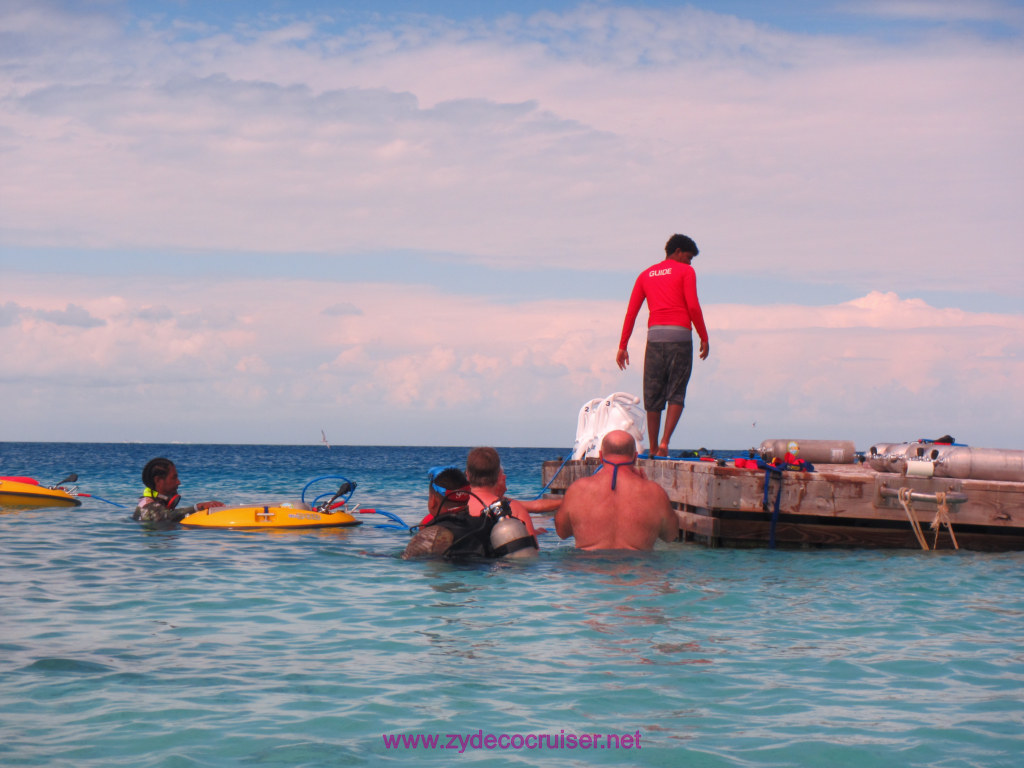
x=324, y=436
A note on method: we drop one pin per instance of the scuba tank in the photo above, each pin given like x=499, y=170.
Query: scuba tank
x=960, y=462
x=509, y=536
x=815, y=451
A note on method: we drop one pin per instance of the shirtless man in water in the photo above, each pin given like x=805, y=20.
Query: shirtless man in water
x=617, y=508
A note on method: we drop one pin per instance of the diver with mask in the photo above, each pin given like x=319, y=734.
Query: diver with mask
x=452, y=533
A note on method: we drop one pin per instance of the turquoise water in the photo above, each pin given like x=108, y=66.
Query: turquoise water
x=127, y=647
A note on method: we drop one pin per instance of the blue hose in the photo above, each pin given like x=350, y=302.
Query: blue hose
x=326, y=477
x=402, y=525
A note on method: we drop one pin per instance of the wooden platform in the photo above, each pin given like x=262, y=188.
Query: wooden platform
x=838, y=505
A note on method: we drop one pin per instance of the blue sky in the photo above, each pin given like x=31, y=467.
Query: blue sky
x=875, y=19
x=418, y=223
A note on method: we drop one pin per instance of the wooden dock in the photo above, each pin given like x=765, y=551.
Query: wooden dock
x=837, y=505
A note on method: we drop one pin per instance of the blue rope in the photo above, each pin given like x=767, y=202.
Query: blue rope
x=100, y=498
x=768, y=470
x=545, y=488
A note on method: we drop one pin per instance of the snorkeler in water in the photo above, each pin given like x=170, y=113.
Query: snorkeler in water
x=159, y=502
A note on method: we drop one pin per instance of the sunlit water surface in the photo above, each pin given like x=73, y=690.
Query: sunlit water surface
x=128, y=647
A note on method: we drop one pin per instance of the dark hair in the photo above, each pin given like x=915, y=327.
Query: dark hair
x=483, y=467
x=451, y=479
x=680, y=243
x=156, y=468
x=455, y=486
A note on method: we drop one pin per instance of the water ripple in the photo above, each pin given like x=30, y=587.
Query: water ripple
x=126, y=647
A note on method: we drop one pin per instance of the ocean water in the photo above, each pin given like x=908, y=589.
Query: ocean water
x=121, y=646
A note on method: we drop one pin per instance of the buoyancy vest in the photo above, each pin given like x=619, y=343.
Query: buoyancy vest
x=471, y=535
x=155, y=507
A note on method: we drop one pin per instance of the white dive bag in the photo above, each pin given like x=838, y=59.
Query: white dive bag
x=602, y=415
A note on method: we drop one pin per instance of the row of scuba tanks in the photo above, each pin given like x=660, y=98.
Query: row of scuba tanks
x=916, y=459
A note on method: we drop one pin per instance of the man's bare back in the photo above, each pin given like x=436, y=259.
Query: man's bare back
x=633, y=515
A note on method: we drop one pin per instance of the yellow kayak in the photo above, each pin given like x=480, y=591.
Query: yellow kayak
x=285, y=516
x=26, y=492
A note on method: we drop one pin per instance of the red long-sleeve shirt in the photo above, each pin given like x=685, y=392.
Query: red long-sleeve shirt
x=670, y=288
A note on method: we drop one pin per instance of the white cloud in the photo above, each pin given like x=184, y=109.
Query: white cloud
x=461, y=369
x=878, y=368
x=575, y=140
x=838, y=159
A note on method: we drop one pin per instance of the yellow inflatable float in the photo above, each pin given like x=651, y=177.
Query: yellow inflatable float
x=335, y=512
x=26, y=493
x=287, y=515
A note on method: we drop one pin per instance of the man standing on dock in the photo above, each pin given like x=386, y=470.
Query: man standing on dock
x=670, y=289
x=616, y=508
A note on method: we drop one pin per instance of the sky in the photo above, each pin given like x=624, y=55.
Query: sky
x=418, y=223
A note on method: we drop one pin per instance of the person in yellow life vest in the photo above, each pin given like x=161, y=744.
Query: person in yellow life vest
x=159, y=502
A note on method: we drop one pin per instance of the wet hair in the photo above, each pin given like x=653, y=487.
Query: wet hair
x=155, y=468
x=680, y=243
x=483, y=467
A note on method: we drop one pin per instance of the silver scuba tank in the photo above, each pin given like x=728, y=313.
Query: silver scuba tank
x=943, y=460
x=895, y=457
x=814, y=451
x=981, y=464
x=509, y=537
